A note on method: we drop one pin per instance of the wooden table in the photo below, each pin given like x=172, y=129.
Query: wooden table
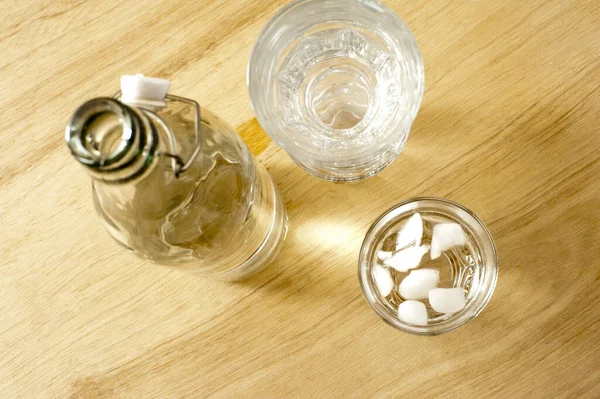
x=509, y=127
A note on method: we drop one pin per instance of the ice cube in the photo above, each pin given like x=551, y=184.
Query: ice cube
x=447, y=300
x=418, y=283
x=446, y=236
x=411, y=232
x=413, y=312
x=383, y=255
x=383, y=280
x=407, y=259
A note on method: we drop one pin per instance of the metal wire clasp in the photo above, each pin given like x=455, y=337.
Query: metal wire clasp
x=178, y=165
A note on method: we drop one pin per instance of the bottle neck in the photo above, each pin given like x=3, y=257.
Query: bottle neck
x=116, y=143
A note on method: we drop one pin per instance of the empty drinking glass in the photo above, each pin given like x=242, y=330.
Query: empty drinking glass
x=337, y=84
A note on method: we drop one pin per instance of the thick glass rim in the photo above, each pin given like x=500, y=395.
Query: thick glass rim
x=471, y=221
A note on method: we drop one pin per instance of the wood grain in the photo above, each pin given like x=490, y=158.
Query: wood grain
x=508, y=127
x=255, y=136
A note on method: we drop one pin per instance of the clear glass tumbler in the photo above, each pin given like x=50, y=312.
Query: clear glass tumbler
x=337, y=84
x=473, y=267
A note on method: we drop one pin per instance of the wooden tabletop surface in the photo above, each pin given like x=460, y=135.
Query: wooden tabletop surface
x=509, y=127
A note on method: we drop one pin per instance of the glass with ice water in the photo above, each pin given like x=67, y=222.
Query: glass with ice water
x=337, y=84
x=470, y=266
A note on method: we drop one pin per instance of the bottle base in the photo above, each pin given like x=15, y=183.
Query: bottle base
x=268, y=250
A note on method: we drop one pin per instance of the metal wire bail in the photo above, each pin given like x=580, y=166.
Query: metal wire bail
x=178, y=165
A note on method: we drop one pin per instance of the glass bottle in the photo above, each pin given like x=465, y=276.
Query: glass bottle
x=175, y=184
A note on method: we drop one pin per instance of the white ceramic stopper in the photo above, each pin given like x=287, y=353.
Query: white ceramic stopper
x=140, y=88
